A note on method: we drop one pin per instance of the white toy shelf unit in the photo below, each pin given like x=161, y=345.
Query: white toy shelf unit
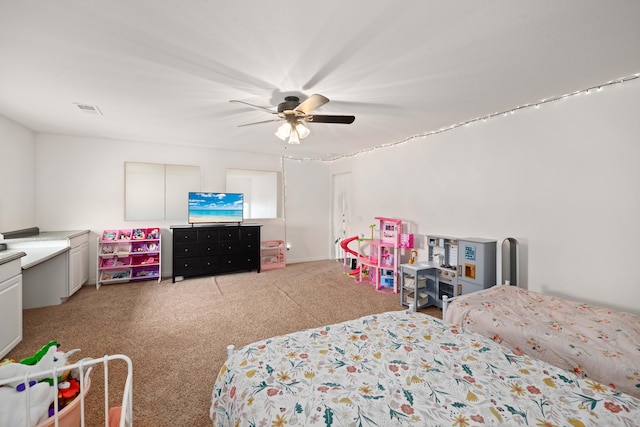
x=128, y=255
x=380, y=268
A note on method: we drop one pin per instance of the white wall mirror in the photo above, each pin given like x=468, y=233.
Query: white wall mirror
x=262, y=191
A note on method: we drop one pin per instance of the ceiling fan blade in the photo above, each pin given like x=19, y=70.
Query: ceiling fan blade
x=311, y=103
x=259, y=123
x=318, y=118
x=235, y=101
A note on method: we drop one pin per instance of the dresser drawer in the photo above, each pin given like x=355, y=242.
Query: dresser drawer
x=185, y=236
x=195, y=266
x=208, y=236
x=188, y=250
x=240, y=246
x=230, y=234
x=238, y=262
x=250, y=233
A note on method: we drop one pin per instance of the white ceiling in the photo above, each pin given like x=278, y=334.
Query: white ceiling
x=165, y=70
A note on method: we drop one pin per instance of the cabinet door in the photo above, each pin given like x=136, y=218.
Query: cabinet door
x=10, y=314
x=75, y=270
x=84, y=265
x=78, y=267
x=477, y=262
x=468, y=287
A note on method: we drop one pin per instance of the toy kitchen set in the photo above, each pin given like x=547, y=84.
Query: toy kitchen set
x=466, y=265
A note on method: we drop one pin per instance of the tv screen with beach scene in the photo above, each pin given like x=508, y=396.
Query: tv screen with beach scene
x=207, y=208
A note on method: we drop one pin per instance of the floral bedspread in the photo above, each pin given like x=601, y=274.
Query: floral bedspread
x=593, y=342
x=403, y=368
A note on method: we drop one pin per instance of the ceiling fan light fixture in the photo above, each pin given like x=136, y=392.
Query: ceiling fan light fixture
x=295, y=114
x=284, y=131
x=293, y=138
x=302, y=131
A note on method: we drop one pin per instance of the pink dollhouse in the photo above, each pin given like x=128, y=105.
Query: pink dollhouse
x=380, y=267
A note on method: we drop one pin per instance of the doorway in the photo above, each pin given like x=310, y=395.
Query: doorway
x=341, y=216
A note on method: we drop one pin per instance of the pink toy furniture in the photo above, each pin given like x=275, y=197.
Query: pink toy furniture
x=380, y=267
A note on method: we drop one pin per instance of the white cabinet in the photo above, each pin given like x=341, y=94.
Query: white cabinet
x=10, y=305
x=78, y=263
x=55, y=266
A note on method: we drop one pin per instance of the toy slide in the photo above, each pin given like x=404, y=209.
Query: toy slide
x=344, y=245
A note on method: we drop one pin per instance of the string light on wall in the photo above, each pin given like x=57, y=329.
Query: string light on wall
x=536, y=105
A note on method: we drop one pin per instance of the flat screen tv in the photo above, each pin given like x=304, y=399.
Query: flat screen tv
x=215, y=207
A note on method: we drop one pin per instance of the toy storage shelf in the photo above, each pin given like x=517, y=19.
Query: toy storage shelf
x=128, y=255
x=272, y=254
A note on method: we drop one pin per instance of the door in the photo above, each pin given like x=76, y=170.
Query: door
x=341, y=227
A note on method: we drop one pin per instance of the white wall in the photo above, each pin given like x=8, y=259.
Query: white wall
x=80, y=183
x=563, y=179
x=17, y=183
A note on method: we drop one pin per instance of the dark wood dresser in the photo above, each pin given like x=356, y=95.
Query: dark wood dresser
x=217, y=249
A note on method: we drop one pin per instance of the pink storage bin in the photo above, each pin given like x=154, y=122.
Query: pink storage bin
x=125, y=234
x=139, y=247
x=139, y=234
x=109, y=235
x=70, y=415
x=123, y=261
x=152, y=233
x=146, y=259
x=145, y=273
x=108, y=262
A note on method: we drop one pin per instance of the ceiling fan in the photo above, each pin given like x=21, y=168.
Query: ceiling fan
x=295, y=114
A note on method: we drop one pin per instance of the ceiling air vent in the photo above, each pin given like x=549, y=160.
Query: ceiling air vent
x=89, y=109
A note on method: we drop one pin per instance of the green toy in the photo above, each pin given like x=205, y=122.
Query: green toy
x=33, y=360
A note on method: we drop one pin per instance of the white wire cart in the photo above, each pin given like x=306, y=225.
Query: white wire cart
x=73, y=414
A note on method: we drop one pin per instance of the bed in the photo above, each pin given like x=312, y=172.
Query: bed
x=593, y=342
x=404, y=368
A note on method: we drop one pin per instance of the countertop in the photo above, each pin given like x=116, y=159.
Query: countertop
x=421, y=265
x=40, y=247
x=9, y=255
x=47, y=235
